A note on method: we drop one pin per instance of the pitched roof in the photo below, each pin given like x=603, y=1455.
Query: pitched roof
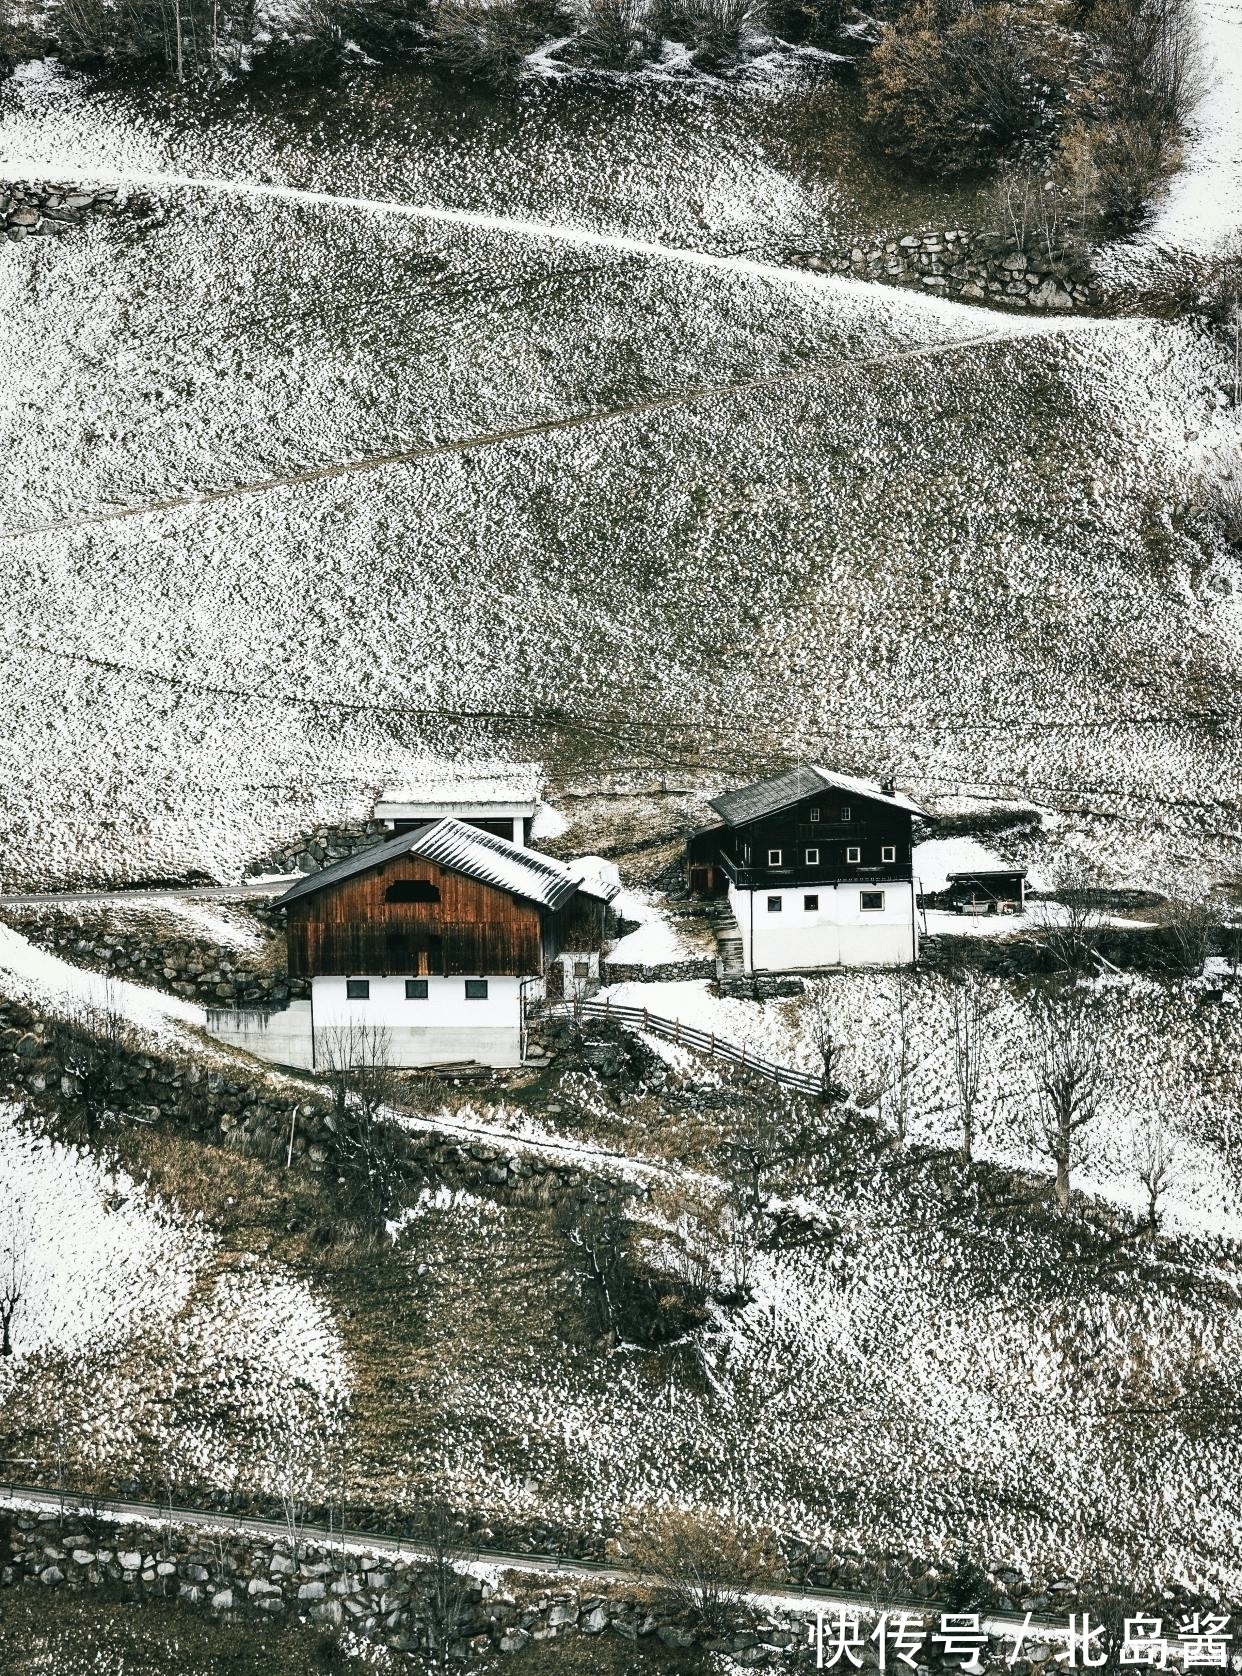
x=768, y=797
x=751, y=803
x=462, y=849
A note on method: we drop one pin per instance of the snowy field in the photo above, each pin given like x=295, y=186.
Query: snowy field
x=138, y=1342
x=956, y=528
x=268, y=515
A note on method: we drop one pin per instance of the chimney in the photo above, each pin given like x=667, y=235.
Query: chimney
x=889, y=787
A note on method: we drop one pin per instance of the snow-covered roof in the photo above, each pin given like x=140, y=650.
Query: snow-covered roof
x=768, y=797
x=462, y=849
x=596, y=876
x=939, y=860
x=500, y=789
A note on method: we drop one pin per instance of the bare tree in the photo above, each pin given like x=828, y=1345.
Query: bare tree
x=369, y=1154
x=293, y=1492
x=90, y=1046
x=968, y=1013
x=831, y=1048
x=1073, y=921
x=13, y=1279
x=1070, y=1081
x=1155, y=1157
x=443, y=1584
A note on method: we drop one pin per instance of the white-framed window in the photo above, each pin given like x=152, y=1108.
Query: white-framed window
x=853, y=854
x=845, y=811
x=357, y=989
x=476, y=989
x=888, y=852
x=774, y=904
x=774, y=858
x=815, y=813
x=812, y=858
x=871, y=901
x=810, y=904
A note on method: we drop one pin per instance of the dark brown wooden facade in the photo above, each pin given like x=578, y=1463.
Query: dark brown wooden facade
x=830, y=837
x=413, y=917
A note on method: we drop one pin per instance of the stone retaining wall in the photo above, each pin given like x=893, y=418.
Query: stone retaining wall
x=144, y=950
x=321, y=847
x=669, y=971
x=38, y=209
x=973, y=267
x=240, y=1576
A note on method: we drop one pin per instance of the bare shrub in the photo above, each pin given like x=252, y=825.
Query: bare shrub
x=1187, y=924
x=187, y=38
x=1127, y=120
x=478, y=40
x=614, y=34
x=703, y=1562
x=951, y=97
x=1067, y=1068
x=1072, y=922
x=718, y=31
x=627, y=1298
x=91, y=1046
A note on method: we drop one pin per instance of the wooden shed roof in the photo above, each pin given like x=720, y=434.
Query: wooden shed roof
x=462, y=849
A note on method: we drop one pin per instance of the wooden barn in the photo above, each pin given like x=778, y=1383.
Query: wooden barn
x=434, y=938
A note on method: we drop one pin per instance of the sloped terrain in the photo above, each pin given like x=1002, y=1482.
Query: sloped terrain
x=910, y=548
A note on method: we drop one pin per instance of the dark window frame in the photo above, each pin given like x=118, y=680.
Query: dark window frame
x=417, y=989
x=775, y=904
x=476, y=989
x=810, y=904
x=357, y=989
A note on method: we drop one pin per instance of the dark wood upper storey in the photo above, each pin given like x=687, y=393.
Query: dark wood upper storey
x=804, y=827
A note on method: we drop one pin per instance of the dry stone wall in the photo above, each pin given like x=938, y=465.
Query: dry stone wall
x=39, y=209
x=146, y=951
x=972, y=267
x=240, y=1576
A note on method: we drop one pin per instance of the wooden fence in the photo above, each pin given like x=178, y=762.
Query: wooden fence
x=687, y=1035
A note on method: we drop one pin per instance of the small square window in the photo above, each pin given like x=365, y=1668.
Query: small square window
x=853, y=854
x=774, y=858
x=845, y=811
x=871, y=901
x=774, y=904
x=812, y=858
x=888, y=852
x=815, y=813
x=582, y=968
x=811, y=904
x=416, y=989
x=357, y=989
x=476, y=989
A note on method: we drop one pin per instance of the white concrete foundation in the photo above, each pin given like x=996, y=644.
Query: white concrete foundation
x=442, y=1027
x=838, y=931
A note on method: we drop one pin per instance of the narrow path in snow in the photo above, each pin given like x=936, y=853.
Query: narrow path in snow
x=546, y=427
x=20, y=1496
x=554, y=232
